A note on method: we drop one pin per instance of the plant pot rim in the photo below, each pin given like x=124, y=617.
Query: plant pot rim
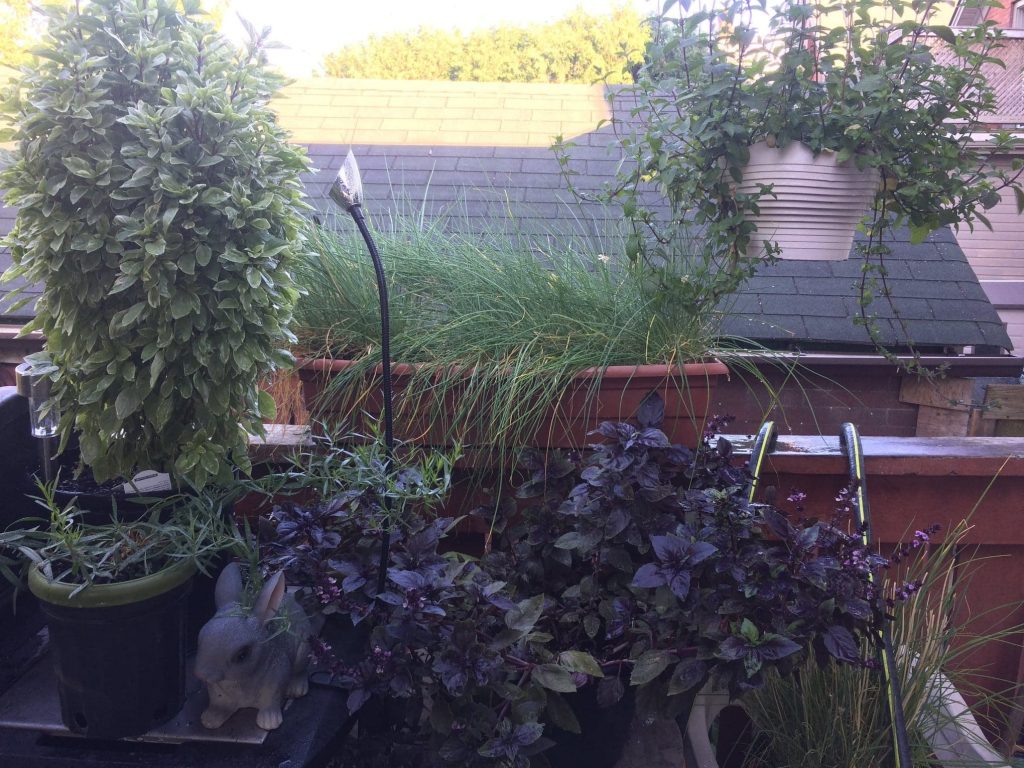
x=796, y=145
x=110, y=595
x=652, y=371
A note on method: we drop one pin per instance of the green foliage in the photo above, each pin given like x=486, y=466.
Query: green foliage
x=581, y=48
x=932, y=638
x=191, y=527
x=159, y=205
x=471, y=308
x=877, y=84
x=15, y=16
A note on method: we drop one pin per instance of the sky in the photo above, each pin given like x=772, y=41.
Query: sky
x=310, y=29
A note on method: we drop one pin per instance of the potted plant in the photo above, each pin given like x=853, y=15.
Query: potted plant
x=115, y=598
x=879, y=91
x=159, y=208
x=495, y=347
x=642, y=568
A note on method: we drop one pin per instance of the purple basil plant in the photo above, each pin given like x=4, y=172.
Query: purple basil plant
x=637, y=572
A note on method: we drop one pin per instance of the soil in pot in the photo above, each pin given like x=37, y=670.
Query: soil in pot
x=118, y=651
x=96, y=500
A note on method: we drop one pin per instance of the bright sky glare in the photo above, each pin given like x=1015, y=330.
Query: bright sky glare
x=313, y=28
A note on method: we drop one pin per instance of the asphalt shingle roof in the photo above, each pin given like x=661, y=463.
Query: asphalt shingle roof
x=483, y=150
x=937, y=302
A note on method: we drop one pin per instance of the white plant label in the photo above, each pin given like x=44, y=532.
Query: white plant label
x=148, y=481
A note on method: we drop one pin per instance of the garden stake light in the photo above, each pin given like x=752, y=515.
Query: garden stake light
x=849, y=439
x=34, y=383
x=347, y=192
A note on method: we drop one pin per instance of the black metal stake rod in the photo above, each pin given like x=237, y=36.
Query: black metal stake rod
x=347, y=192
x=385, y=356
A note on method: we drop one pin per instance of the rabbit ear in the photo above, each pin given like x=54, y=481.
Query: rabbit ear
x=270, y=598
x=229, y=586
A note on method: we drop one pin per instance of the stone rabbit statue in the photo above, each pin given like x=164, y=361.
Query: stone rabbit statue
x=252, y=656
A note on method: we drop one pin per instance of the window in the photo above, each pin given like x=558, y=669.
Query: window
x=970, y=13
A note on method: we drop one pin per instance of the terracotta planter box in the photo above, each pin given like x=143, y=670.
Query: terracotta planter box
x=595, y=395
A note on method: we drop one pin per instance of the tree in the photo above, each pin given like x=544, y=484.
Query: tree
x=581, y=48
x=15, y=31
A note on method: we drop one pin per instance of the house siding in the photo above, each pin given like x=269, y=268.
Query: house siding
x=997, y=253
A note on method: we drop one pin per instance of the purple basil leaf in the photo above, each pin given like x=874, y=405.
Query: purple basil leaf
x=653, y=438
x=651, y=412
x=840, y=643
x=688, y=674
x=527, y=733
x=356, y=698
x=679, y=583
x=407, y=580
x=701, y=551
x=499, y=746
x=808, y=537
x=582, y=541
x=778, y=524
x=618, y=520
x=608, y=429
x=669, y=547
x=856, y=607
x=352, y=583
x=733, y=648
x=777, y=647
x=648, y=577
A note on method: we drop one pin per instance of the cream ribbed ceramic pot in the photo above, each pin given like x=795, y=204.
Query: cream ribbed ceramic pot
x=816, y=203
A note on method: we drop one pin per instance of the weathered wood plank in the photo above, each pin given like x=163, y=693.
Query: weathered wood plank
x=281, y=440
x=1004, y=401
x=893, y=447
x=942, y=422
x=949, y=394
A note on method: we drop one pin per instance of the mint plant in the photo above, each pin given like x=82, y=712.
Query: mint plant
x=159, y=206
x=883, y=85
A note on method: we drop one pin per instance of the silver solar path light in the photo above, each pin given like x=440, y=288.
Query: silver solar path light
x=33, y=380
x=347, y=192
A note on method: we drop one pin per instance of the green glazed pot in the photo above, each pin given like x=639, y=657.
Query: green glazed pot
x=107, y=595
x=118, y=650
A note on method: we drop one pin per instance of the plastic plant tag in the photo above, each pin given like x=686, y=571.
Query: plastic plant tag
x=148, y=481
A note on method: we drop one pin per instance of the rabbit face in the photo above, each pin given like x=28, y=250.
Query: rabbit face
x=232, y=646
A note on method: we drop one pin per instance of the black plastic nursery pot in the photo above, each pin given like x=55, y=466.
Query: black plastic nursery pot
x=97, y=502
x=603, y=732
x=118, y=650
